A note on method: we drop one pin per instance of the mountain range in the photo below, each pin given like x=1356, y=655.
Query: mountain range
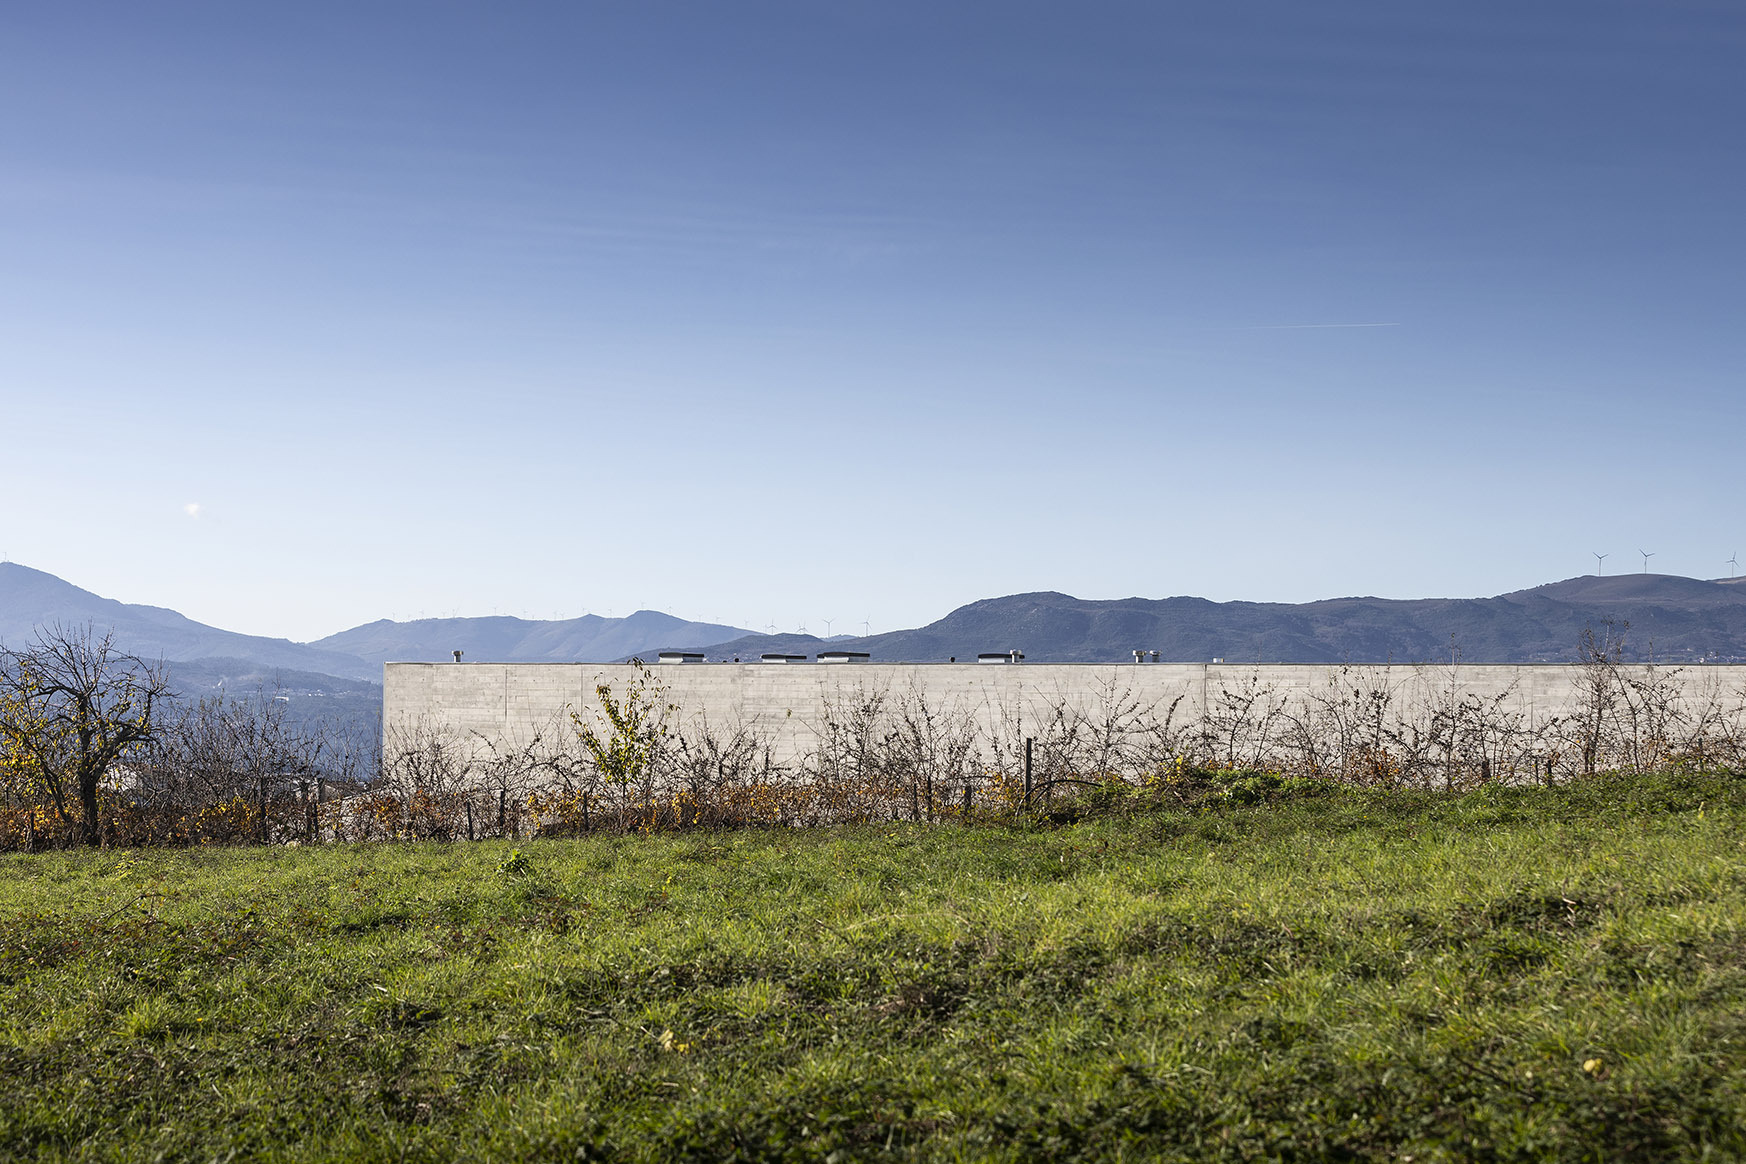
x=32, y=599
x=1671, y=618
x=498, y=638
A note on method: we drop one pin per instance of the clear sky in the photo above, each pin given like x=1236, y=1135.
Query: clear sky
x=316, y=313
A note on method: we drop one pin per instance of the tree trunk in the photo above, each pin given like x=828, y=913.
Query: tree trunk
x=89, y=833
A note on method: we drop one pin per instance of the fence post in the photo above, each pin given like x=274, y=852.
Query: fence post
x=502, y=808
x=308, y=812
x=469, y=803
x=967, y=802
x=263, y=810
x=1028, y=742
x=585, y=812
x=320, y=801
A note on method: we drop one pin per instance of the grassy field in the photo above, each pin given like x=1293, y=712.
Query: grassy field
x=1530, y=974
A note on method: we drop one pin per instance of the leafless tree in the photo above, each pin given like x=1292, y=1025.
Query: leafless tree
x=222, y=752
x=72, y=708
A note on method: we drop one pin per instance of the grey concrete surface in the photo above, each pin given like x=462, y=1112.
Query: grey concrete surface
x=511, y=702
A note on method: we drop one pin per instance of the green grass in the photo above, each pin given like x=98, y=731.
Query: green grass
x=1525, y=974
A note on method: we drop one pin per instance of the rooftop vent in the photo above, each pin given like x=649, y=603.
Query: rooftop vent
x=780, y=657
x=1000, y=657
x=680, y=657
x=843, y=656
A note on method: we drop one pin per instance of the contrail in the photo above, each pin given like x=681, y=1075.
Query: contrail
x=1301, y=326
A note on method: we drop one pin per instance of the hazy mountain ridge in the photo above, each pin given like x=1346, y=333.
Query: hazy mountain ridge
x=502, y=639
x=31, y=600
x=1671, y=618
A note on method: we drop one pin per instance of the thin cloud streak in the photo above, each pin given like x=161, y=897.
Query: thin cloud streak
x=1299, y=326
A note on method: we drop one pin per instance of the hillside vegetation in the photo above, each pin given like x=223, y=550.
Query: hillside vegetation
x=1275, y=970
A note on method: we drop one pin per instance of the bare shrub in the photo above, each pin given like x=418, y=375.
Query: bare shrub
x=227, y=770
x=727, y=777
x=1243, y=724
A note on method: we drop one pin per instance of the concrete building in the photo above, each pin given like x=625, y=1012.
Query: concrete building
x=790, y=704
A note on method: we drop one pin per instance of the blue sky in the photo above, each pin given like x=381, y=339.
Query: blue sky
x=778, y=312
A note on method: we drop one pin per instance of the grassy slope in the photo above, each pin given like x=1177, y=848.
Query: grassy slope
x=1508, y=974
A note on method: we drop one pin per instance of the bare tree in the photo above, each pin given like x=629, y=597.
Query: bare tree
x=216, y=769
x=72, y=707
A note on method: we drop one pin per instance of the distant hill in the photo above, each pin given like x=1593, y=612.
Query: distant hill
x=334, y=683
x=1674, y=619
x=31, y=599
x=499, y=639
x=351, y=709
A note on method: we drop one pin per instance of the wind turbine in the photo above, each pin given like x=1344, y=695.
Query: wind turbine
x=1598, y=559
x=866, y=626
x=1733, y=563
x=1646, y=556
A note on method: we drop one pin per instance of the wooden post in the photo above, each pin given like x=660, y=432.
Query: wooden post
x=263, y=807
x=502, y=808
x=320, y=800
x=584, y=812
x=966, y=802
x=1028, y=743
x=308, y=812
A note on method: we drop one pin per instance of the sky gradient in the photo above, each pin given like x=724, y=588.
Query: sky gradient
x=772, y=313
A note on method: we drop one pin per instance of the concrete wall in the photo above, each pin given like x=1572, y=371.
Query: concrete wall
x=789, y=703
